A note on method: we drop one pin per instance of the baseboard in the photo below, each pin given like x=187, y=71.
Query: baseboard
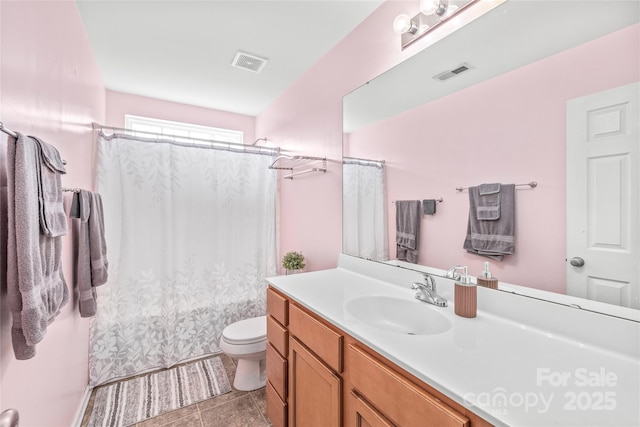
x=77, y=420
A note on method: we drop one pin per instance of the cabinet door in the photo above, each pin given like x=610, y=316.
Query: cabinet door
x=276, y=408
x=278, y=336
x=363, y=415
x=314, y=390
x=399, y=399
x=277, y=306
x=277, y=372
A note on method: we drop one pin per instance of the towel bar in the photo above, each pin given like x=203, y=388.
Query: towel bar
x=9, y=418
x=440, y=200
x=7, y=131
x=15, y=135
x=531, y=184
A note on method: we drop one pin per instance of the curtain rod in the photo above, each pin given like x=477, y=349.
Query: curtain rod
x=364, y=162
x=532, y=184
x=8, y=131
x=210, y=143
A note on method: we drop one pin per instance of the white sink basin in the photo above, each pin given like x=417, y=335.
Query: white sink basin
x=398, y=315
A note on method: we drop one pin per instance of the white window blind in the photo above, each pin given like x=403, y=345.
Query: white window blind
x=181, y=131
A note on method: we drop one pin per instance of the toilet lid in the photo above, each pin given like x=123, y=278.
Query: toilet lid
x=246, y=331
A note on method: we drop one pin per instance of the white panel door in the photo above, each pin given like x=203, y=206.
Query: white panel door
x=603, y=196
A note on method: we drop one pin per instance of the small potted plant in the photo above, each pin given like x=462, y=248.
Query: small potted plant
x=293, y=261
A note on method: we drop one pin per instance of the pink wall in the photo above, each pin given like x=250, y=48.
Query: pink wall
x=307, y=119
x=50, y=87
x=119, y=104
x=510, y=129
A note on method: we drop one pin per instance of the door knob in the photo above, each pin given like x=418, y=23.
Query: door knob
x=577, y=261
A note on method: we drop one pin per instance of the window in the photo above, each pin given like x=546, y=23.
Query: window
x=181, y=131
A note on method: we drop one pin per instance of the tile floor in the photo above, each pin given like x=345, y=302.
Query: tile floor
x=234, y=409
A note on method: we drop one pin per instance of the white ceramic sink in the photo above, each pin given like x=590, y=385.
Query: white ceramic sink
x=398, y=315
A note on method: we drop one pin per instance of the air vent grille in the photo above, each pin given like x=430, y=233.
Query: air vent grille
x=249, y=62
x=446, y=75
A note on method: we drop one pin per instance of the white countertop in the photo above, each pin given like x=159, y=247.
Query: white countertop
x=507, y=372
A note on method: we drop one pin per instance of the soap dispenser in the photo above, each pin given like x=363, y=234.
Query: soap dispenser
x=465, y=296
x=486, y=279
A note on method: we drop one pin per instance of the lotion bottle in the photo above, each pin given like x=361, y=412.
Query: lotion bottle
x=465, y=296
x=486, y=279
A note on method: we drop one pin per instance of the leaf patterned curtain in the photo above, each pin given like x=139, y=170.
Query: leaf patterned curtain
x=364, y=212
x=191, y=237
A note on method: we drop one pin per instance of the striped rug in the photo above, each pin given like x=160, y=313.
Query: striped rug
x=127, y=402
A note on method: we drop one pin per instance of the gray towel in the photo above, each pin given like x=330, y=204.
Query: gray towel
x=492, y=188
x=492, y=238
x=91, y=261
x=5, y=317
x=80, y=208
x=429, y=206
x=408, y=217
x=36, y=289
x=53, y=219
x=98, y=244
x=488, y=202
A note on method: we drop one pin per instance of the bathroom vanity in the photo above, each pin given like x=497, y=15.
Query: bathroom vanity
x=352, y=346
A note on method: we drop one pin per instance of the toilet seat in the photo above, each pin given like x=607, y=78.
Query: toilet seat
x=248, y=331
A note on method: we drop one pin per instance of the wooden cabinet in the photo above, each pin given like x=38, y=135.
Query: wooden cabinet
x=318, y=337
x=277, y=354
x=304, y=359
x=278, y=336
x=364, y=415
x=320, y=376
x=315, y=391
x=278, y=307
x=277, y=372
x=276, y=407
x=399, y=400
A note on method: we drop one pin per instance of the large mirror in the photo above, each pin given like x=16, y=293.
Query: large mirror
x=534, y=71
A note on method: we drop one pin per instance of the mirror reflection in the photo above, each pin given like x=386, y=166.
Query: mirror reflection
x=545, y=83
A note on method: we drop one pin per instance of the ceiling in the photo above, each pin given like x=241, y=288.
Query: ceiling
x=182, y=51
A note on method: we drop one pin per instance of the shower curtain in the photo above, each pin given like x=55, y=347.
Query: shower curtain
x=364, y=211
x=191, y=236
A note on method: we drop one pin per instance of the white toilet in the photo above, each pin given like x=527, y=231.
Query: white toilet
x=246, y=341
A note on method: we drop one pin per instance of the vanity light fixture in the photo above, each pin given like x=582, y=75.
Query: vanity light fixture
x=439, y=7
x=432, y=14
x=403, y=24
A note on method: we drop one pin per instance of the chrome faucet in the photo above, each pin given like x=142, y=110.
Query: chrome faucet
x=427, y=291
x=452, y=274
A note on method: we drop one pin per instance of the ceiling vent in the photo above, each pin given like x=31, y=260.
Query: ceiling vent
x=249, y=62
x=446, y=75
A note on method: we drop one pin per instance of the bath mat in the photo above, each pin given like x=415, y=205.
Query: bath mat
x=130, y=401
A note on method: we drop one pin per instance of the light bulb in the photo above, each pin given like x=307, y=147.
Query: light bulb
x=433, y=7
x=402, y=24
x=429, y=6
